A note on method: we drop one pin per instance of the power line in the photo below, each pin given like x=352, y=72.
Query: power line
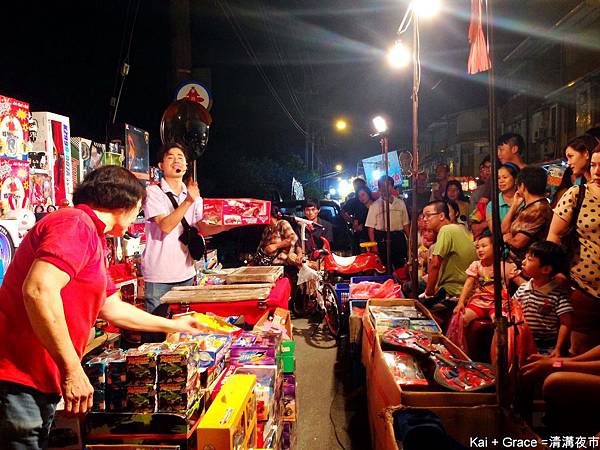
x=229, y=14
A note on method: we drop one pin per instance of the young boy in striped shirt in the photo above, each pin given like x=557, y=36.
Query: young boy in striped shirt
x=545, y=300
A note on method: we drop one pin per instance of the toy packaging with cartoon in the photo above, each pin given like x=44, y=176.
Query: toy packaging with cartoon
x=54, y=139
x=135, y=144
x=14, y=128
x=14, y=182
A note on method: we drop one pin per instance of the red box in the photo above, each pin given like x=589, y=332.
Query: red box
x=236, y=211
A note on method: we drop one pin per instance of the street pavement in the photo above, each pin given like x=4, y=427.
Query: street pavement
x=330, y=398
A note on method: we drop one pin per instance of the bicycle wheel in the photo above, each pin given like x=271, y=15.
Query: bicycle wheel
x=302, y=303
x=332, y=315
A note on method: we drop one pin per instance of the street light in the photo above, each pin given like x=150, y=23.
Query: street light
x=398, y=55
x=425, y=8
x=381, y=127
x=339, y=167
x=380, y=124
x=341, y=125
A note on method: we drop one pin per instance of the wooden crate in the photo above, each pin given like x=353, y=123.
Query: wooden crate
x=383, y=391
x=255, y=274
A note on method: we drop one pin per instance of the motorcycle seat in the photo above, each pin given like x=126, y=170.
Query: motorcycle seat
x=343, y=261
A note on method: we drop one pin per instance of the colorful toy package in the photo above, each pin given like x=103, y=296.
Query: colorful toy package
x=98, y=369
x=211, y=324
x=236, y=211
x=405, y=369
x=178, y=363
x=141, y=399
x=172, y=398
x=211, y=348
x=265, y=388
x=141, y=364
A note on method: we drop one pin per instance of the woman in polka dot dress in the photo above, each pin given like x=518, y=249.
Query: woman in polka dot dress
x=585, y=266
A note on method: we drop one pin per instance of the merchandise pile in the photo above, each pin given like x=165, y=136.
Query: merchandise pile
x=236, y=385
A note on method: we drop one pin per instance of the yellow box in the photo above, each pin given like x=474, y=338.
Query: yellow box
x=230, y=422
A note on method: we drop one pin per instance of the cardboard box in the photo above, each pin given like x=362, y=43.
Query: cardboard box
x=54, y=139
x=401, y=322
x=466, y=423
x=14, y=183
x=80, y=150
x=133, y=146
x=14, y=128
x=383, y=391
x=236, y=211
x=276, y=320
x=230, y=422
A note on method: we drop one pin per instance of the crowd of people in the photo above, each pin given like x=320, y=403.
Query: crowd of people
x=550, y=254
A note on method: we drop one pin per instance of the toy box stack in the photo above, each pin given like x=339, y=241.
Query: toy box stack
x=53, y=144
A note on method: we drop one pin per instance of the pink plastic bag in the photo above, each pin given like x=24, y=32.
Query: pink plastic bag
x=456, y=331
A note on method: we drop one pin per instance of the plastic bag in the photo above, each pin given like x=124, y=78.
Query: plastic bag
x=306, y=274
x=456, y=331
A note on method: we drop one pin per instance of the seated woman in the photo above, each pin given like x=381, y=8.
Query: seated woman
x=571, y=388
x=529, y=216
x=278, y=243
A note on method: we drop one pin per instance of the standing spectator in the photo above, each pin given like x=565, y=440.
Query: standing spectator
x=483, y=182
x=438, y=188
x=353, y=207
x=529, y=216
x=399, y=224
x=578, y=154
x=546, y=306
x=359, y=229
x=585, y=265
x=507, y=185
x=510, y=148
x=313, y=236
x=566, y=182
x=455, y=193
x=452, y=254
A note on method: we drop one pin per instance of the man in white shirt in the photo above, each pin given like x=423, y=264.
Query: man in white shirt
x=399, y=224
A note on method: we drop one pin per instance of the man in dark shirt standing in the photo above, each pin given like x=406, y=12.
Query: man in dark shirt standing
x=353, y=210
x=313, y=240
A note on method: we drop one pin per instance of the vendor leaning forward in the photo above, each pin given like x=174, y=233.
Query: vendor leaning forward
x=52, y=294
x=167, y=262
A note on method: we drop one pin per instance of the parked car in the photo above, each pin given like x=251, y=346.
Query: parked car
x=331, y=212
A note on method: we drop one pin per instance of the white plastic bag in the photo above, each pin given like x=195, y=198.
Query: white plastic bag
x=306, y=274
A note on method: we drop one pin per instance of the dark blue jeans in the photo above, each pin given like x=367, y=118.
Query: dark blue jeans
x=25, y=417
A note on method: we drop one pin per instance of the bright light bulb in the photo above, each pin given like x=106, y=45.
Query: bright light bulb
x=341, y=125
x=425, y=8
x=380, y=124
x=398, y=55
x=344, y=188
x=338, y=167
x=332, y=191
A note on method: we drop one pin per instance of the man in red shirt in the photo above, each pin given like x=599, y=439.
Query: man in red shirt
x=52, y=294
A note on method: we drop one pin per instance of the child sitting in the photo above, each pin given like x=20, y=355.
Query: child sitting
x=545, y=301
x=480, y=276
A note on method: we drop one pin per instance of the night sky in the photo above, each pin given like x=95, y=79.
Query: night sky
x=324, y=58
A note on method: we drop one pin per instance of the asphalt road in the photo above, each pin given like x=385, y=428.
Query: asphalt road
x=330, y=397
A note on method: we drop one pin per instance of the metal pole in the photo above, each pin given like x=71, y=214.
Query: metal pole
x=386, y=206
x=501, y=322
x=414, y=247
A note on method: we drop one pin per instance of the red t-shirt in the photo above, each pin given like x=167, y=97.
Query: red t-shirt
x=72, y=239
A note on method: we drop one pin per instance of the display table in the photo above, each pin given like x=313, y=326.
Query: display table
x=104, y=341
x=252, y=310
